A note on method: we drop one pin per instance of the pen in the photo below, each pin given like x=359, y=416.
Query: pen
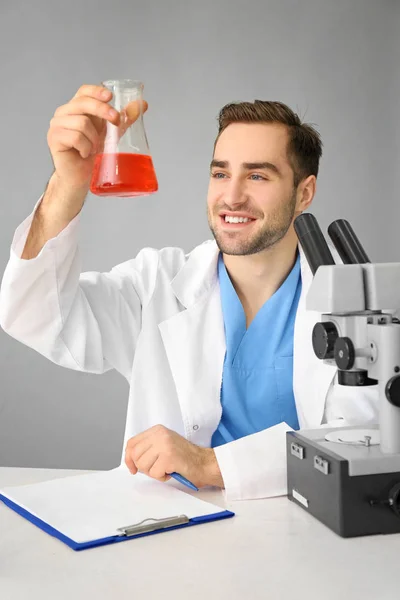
x=185, y=481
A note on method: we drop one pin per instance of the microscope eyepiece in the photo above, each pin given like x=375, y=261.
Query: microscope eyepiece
x=312, y=241
x=347, y=243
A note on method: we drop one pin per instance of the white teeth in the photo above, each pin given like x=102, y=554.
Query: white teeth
x=236, y=219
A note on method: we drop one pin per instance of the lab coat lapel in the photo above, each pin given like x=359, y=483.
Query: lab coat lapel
x=311, y=376
x=194, y=340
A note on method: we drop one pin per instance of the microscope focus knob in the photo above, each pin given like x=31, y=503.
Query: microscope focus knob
x=344, y=353
x=324, y=336
x=392, y=390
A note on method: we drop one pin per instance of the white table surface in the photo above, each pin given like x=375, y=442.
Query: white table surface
x=271, y=550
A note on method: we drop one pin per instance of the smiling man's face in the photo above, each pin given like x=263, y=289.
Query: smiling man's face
x=251, y=180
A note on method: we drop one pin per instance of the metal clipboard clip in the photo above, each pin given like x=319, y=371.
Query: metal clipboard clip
x=148, y=525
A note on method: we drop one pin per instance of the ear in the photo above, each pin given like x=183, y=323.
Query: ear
x=305, y=193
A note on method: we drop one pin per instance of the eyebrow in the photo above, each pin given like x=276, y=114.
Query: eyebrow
x=249, y=166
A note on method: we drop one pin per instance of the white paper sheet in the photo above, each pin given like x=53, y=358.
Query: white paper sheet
x=94, y=506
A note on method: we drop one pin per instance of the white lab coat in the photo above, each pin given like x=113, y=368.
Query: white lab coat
x=157, y=320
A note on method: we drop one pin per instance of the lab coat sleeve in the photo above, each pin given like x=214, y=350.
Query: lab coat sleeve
x=348, y=405
x=255, y=466
x=83, y=321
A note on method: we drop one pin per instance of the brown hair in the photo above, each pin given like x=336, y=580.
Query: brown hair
x=305, y=145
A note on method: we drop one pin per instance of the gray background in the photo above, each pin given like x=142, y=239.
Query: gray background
x=336, y=63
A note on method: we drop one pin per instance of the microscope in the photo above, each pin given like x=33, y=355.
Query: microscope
x=349, y=477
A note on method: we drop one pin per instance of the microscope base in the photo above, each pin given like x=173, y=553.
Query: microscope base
x=353, y=489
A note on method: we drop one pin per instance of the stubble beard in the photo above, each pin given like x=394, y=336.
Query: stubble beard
x=235, y=244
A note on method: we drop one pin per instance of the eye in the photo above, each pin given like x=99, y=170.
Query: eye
x=218, y=175
x=259, y=177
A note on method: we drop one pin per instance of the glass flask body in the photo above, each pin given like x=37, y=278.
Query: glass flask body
x=123, y=165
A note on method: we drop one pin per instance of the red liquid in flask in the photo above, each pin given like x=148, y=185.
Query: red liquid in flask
x=123, y=174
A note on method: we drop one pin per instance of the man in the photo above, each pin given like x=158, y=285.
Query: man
x=216, y=344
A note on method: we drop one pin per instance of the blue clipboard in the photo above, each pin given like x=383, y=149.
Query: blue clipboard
x=128, y=534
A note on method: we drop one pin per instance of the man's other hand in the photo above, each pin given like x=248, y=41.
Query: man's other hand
x=158, y=451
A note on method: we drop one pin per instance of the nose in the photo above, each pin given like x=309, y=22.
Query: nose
x=234, y=194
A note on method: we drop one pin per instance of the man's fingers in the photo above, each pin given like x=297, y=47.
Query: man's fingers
x=85, y=105
x=93, y=100
x=157, y=471
x=130, y=463
x=95, y=91
x=89, y=106
x=80, y=123
x=65, y=139
x=133, y=109
x=146, y=461
x=130, y=113
x=134, y=454
x=143, y=449
x=145, y=434
x=139, y=449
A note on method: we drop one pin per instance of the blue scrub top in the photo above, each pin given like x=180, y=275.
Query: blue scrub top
x=257, y=381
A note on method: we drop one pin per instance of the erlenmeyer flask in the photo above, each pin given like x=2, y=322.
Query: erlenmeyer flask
x=123, y=165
